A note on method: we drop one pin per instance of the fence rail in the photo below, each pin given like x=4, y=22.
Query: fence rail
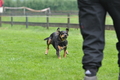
x=46, y=24
x=42, y=24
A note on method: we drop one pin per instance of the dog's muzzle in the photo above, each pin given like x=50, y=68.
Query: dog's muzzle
x=65, y=36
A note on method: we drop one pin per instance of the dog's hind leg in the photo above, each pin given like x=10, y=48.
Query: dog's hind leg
x=48, y=43
x=46, y=52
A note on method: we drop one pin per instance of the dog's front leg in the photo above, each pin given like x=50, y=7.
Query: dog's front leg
x=65, y=51
x=57, y=50
x=58, y=54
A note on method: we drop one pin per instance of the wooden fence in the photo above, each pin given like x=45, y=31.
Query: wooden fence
x=46, y=24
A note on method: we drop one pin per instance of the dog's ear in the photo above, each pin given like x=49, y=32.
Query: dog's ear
x=58, y=29
x=67, y=29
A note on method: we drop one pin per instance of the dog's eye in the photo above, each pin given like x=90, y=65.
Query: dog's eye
x=67, y=33
x=62, y=33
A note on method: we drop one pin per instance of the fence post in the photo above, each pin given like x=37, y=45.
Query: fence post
x=11, y=20
x=26, y=21
x=24, y=11
x=68, y=20
x=0, y=20
x=47, y=20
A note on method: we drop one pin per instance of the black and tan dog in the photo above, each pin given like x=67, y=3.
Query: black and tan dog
x=59, y=41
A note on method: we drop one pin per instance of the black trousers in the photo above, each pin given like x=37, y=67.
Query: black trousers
x=92, y=25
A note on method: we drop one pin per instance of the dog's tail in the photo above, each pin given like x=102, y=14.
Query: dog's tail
x=47, y=38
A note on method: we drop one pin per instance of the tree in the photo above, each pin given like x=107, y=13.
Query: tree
x=55, y=5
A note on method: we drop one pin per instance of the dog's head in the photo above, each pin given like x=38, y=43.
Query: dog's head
x=63, y=34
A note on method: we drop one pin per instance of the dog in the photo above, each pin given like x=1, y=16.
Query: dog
x=59, y=41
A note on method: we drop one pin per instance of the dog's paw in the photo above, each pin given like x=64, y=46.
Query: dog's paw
x=59, y=57
x=46, y=53
x=67, y=53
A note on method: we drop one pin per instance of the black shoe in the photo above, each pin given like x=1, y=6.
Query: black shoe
x=91, y=72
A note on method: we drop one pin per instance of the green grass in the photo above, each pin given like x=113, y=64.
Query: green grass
x=22, y=55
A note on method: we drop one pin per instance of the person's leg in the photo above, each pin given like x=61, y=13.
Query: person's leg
x=113, y=8
x=92, y=26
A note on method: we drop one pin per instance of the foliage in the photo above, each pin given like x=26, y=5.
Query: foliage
x=55, y=5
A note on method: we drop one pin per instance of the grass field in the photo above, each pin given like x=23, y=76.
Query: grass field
x=22, y=55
